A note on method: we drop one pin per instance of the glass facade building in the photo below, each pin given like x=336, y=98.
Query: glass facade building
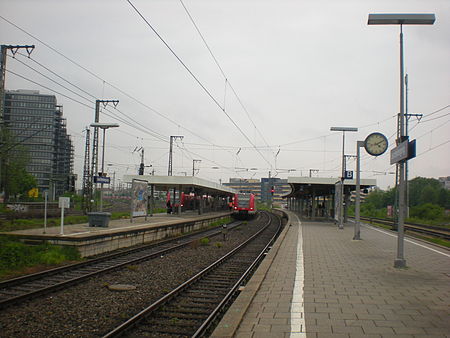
x=262, y=189
x=36, y=122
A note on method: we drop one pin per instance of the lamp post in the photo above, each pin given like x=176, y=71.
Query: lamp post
x=341, y=190
x=103, y=126
x=401, y=19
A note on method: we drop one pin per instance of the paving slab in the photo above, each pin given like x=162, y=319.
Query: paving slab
x=335, y=286
x=83, y=230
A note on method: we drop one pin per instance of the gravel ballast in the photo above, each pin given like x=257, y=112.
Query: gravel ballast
x=91, y=309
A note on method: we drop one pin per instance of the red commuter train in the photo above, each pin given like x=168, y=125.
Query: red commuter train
x=244, y=205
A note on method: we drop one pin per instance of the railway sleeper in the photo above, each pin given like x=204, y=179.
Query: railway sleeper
x=217, y=283
x=203, y=301
x=159, y=332
x=176, y=319
x=179, y=308
x=195, y=302
x=39, y=284
x=205, y=285
x=227, y=273
x=170, y=315
x=22, y=289
x=205, y=293
x=8, y=294
x=87, y=271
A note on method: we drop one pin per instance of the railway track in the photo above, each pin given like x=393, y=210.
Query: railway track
x=22, y=288
x=191, y=309
x=418, y=228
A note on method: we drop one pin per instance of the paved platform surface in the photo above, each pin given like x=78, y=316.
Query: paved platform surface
x=318, y=282
x=84, y=230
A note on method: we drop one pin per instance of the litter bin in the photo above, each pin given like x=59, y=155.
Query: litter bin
x=99, y=219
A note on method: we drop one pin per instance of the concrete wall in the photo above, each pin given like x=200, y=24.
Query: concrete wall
x=113, y=241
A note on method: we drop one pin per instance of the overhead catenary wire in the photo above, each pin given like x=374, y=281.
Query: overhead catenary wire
x=198, y=81
x=56, y=74
x=50, y=79
x=152, y=132
x=226, y=78
x=164, y=116
x=111, y=113
x=50, y=89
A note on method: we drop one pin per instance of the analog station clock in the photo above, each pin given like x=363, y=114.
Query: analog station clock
x=376, y=144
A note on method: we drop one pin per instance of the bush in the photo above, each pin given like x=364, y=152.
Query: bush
x=204, y=241
x=15, y=255
x=427, y=211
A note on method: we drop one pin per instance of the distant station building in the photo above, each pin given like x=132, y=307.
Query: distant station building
x=262, y=189
x=246, y=185
x=445, y=181
x=36, y=122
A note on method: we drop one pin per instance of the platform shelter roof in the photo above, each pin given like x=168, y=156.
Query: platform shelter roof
x=322, y=186
x=185, y=182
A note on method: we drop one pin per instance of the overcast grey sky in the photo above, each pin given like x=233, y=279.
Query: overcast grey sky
x=298, y=67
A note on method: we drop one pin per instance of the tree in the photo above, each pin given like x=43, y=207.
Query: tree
x=427, y=190
x=427, y=211
x=14, y=178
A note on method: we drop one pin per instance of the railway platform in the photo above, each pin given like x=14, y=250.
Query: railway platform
x=120, y=233
x=317, y=281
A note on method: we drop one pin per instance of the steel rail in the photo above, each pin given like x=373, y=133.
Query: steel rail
x=421, y=228
x=235, y=289
x=133, y=321
x=75, y=268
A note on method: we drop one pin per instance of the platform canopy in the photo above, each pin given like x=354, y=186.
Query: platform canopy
x=322, y=186
x=184, y=182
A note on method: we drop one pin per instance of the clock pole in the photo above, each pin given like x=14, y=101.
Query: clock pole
x=374, y=147
x=357, y=236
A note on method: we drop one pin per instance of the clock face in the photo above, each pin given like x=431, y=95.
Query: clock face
x=376, y=144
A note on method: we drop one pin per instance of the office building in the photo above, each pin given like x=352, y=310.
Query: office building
x=262, y=189
x=36, y=122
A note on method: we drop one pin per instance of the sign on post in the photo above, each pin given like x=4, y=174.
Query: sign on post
x=63, y=202
x=101, y=179
x=400, y=152
x=348, y=175
x=404, y=151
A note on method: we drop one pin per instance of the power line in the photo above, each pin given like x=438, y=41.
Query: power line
x=112, y=114
x=153, y=133
x=434, y=118
x=57, y=75
x=227, y=81
x=52, y=90
x=50, y=79
x=197, y=80
x=104, y=81
x=430, y=114
x=439, y=145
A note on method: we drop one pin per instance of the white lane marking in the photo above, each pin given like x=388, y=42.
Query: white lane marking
x=298, y=327
x=78, y=233
x=406, y=240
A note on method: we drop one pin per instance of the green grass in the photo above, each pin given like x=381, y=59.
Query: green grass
x=262, y=206
x=35, y=223
x=438, y=241
x=16, y=256
x=204, y=241
x=222, y=221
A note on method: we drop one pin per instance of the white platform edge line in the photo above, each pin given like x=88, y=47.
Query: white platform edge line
x=298, y=327
x=406, y=240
